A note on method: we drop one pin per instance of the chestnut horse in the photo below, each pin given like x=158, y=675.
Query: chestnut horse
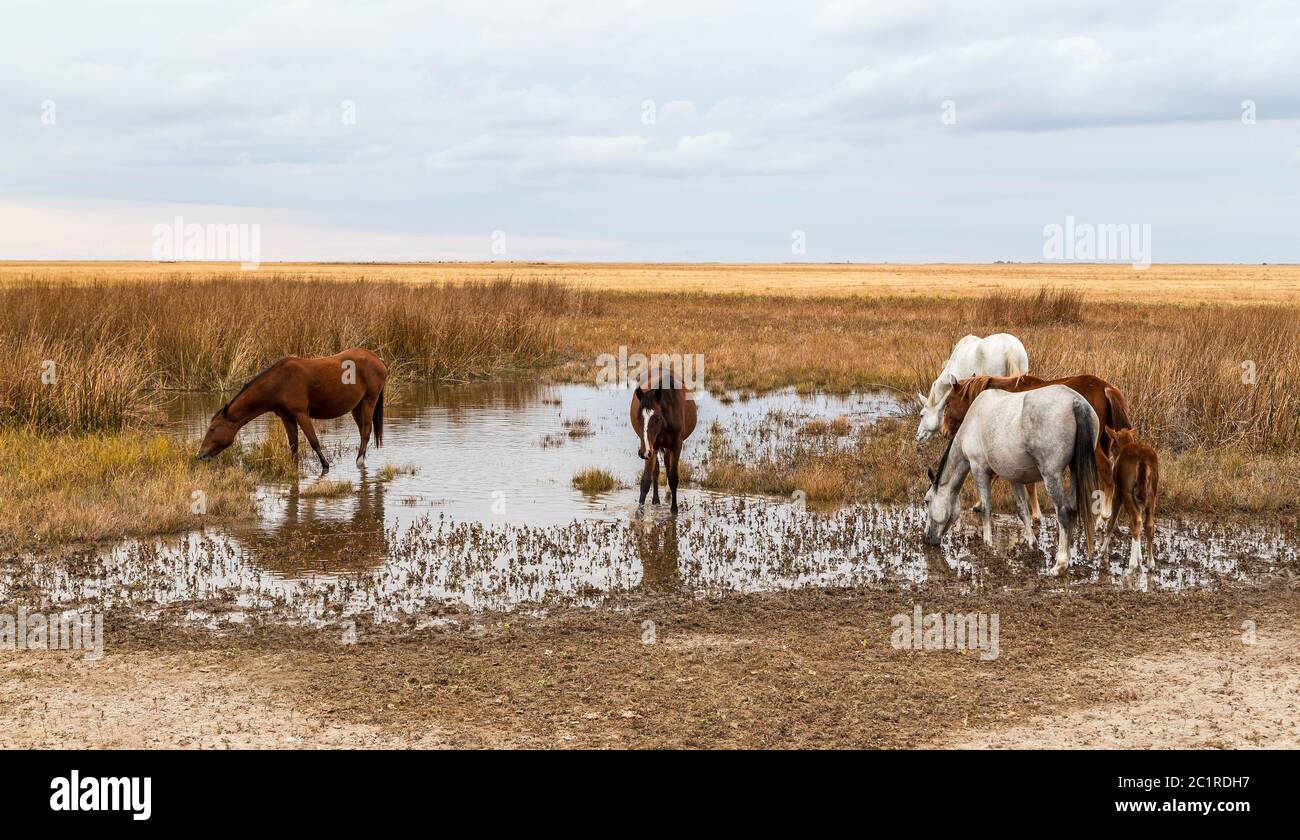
x=1105, y=399
x=662, y=418
x=1136, y=479
x=299, y=390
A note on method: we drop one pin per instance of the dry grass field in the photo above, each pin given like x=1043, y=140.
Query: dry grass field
x=1161, y=283
x=123, y=335
x=1088, y=665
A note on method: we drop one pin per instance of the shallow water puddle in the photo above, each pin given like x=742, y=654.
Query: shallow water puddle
x=490, y=520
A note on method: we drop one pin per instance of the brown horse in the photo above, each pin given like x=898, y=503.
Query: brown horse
x=1136, y=479
x=299, y=390
x=662, y=418
x=1105, y=399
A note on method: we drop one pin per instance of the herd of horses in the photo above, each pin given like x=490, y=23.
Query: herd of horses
x=999, y=422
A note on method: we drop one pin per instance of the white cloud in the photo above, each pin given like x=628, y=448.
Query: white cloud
x=520, y=115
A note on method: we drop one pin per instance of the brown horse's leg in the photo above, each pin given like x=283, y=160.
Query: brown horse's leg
x=364, y=415
x=310, y=431
x=654, y=483
x=1034, y=510
x=291, y=429
x=647, y=476
x=671, y=459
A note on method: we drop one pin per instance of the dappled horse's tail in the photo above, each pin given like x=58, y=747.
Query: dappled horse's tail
x=379, y=420
x=1083, y=467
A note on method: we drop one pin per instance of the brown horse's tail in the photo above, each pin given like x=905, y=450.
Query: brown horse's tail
x=379, y=420
x=1118, y=409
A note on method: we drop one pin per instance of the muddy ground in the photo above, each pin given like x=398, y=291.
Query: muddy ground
x=1083, y=664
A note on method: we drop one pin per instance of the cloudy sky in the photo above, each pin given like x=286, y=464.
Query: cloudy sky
x=907, y=130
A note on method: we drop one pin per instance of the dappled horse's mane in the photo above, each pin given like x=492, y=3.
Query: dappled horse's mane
x=253, y=381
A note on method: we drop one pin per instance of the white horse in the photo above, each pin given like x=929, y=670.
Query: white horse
x=997, y=355
x=1023, y=437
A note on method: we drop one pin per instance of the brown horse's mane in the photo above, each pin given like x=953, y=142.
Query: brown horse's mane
x=252, y=382
x=971, y=387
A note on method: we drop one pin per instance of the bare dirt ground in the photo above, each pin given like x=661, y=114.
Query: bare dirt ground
x=1089, y=665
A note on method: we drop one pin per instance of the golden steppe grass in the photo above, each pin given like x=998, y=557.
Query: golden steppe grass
x=61, y=487
x=1160, y=283
x=111, y=343
x=117, y=336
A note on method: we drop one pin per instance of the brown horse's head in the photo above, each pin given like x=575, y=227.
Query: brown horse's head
x=963, y=394
x=221, y=433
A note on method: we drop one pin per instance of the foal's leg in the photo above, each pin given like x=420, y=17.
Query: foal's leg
x=1034, y=510
x=1056, y=490
x=1022, y=508
x=1151, y=531
x=1111, y=520
x=1135, y=547
x=983, y=480
x=363, y=414
x=309, y=430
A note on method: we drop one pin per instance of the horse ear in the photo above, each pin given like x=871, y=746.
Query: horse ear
x=922, y=400
x=639, y=393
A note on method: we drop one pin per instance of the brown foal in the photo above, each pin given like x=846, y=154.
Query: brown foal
x=1136, y=475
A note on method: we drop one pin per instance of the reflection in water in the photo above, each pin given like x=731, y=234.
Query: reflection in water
x=490, y=521
x=656, y=547
x=322, y=535
x=438, y=565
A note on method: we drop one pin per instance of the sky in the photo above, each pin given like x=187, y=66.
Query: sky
x=908, y=131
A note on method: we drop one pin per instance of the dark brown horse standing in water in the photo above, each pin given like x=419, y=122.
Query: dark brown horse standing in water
x=299, y=390
x=662, y=418
x=1104, y=398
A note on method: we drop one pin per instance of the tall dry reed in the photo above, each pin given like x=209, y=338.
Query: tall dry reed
x=112, y=343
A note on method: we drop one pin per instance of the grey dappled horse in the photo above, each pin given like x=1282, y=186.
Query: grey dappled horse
x=1024, y=438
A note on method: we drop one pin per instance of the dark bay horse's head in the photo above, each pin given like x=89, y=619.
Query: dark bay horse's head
x=221, y=433
x=660, y=417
